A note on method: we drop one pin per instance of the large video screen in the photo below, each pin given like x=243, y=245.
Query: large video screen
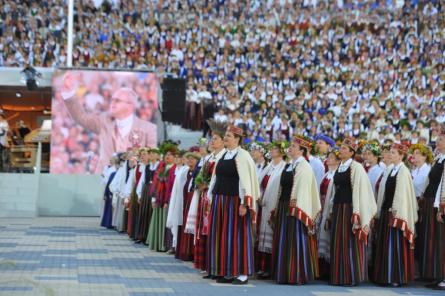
x=98, y=113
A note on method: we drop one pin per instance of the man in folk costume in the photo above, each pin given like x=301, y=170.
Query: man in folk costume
x=134, y=204
x=174, y=216
x=185, y=242
x=352, y=210
x=397, y=210
x=146, y=194
x=433, y=221
x=324, y=144
x=163, y=183
x=233, y=192
x=295, y=253
x=269, y=185
x=197, y=220
x=323, y=234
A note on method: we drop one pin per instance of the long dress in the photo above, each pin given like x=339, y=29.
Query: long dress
x=147, y=193
x=323, y=235
x=432, y=232
x=348, y=253
x=294, y=261
x=133, y=206
x=201, y=227
x=163, y=182
x=230, y=238
x=394, y=258
x=184, y=249
x=107, y=216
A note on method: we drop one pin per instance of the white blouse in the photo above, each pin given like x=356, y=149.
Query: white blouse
x=420, y=176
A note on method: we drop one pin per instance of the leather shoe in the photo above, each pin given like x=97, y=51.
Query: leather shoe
x=264, y=276
x=240, y=282
x=224, y=280
x=207, y=276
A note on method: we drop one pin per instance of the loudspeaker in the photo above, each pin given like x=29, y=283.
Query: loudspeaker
x=173, y=100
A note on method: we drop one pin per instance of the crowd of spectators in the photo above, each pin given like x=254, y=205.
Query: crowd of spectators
x=370, y=69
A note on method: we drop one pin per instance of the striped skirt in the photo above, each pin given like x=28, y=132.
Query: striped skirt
x=133, y=214
x=348, y=253
x=184, y=248
x=295, y=252
x=394, y=258
x=230, y=239
x=144, y=215
x=432, y=241
x=156, y=230
x=200, y=248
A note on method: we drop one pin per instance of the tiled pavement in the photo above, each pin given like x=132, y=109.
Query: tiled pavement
x=76, y=257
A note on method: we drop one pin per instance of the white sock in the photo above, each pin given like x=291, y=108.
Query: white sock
x=242, y=278
x=441, y=284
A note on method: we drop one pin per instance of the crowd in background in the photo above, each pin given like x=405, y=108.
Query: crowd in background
x=370, y=69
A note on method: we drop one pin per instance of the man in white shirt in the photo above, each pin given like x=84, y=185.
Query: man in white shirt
x=118, y=129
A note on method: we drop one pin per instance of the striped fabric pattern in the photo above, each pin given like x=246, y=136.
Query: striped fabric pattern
x=432, y=242
x=200, y=248
x=295, y=253
x=230, y=240
x=144, y=214
x=394, y=258
x=184, y=248
x=348, y=252
x=156, y=231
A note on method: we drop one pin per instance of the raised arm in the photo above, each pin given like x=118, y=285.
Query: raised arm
x=91, y=122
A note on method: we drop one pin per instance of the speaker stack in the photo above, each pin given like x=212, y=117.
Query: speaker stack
x=173, y=100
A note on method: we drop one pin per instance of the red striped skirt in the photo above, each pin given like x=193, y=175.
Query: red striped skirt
x=432, y=241
x=348, y=252
x=200, y=238
x=394, y=258
x=184, y=248
x=230, y=239
x=295, y=252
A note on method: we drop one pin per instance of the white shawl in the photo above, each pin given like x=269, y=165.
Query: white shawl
x=174, y=216
x=404, y=207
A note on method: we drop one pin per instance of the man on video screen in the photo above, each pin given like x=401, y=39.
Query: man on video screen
x=118, y=129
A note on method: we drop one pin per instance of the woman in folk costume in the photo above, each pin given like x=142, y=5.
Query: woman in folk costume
x=295, y=252
x=185, y=242
x=269, y=184
x=197, y=220
x=133, y=207
x=175, y=207
x=433, y=221
x=323, y=234
x=323, y=145
x=162, y=185
x=258, y=151
x=421, y=157
x=107, y=216
x=119, y=179
x=120, y=188
x=397, y=208
x=144, y=190
x=233, y=192
x=352, y=210
x=371, y=157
